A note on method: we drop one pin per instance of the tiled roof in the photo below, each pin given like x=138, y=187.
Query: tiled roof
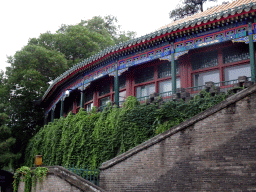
x=212, y=13
x=218, y=12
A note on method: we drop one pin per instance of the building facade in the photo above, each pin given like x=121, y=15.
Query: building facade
x=216, y=45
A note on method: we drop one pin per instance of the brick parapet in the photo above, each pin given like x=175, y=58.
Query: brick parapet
x=61, y=179
x=213, y=151
x=183, y=125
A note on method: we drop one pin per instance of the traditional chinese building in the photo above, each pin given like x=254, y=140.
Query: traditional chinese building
x=215, y=45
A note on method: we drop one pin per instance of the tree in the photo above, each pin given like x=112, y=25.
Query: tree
x=6, y=141
x=187, y=8
x=46, y=40
x=104, y=26
x=31, y=69
x=78, y=42
x=108, y=26
x=125, y=36
x=44, y=59
x=85, y=39
x=34, y=66
x=89, y=37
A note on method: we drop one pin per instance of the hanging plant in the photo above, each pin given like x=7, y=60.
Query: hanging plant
x=24, y=174
x=39, y=174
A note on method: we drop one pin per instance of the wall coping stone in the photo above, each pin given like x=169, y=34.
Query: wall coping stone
x=73, y=179
x=230, y=100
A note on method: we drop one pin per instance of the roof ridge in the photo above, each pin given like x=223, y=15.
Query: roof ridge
x=210, y=11
x=236, y=3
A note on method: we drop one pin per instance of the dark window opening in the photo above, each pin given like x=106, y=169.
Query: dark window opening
x=204, y=60
x=88, y=95
x=236, y=53
x=57, y=110
x=104, y=88
x=164, y=70
x=144, y=74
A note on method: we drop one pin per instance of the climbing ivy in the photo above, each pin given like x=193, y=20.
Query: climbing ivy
x=89, y=139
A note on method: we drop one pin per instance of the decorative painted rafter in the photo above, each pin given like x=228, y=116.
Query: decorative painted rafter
x=237, y=34
x=108, y=70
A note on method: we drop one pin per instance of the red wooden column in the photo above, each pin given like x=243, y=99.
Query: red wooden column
x=155, y=78
x=129, y=83
x=183, y=71
x=221, y=66
x=187, y=65
x=75, y=101
x=132, y=84
x=189, y=72
x=74, y=107
x=95, y=99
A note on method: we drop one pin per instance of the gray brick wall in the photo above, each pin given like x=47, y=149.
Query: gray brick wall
x=51, y=184
x=213, y=151
x=60, y=179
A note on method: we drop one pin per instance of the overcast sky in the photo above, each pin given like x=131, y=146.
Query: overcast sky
x=24, y=19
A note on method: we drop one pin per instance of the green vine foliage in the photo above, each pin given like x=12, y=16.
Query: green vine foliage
x=39, y=174
x=24, y=174
x=89, y=139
